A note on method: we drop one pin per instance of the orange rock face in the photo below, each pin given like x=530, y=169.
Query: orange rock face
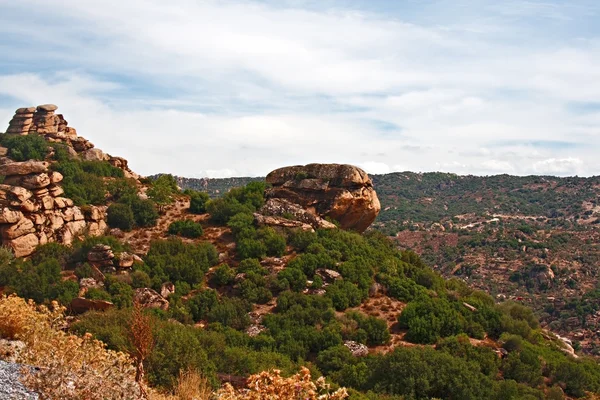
x=341, y=192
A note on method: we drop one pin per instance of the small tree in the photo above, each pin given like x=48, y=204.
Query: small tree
x=162, y=190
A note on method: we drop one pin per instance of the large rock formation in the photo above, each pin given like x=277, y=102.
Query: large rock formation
x=32, y=209
x=341, y=192
x=53, y=127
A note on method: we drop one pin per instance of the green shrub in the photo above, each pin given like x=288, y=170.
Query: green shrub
x=274, y=242
x=251, y=248
x=198, y=201
x=223, y=275
x=292, y=278
x=231, y=312
x=145, y=212
x=174, y=261
x=186, y=228
x=202, y=303
x=120, y=216
x=27, y=147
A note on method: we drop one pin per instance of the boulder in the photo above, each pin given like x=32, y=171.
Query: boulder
x=22, y=227
x=281, y=207
x=167, y=289
x=79, y=305
x=149, y=298
x=328, y=275
x=100, y=253
x=56, y=177
x=24, y=168
x=24, y=245
x=357, y=349
x=8, y=216
x=33, y=181
x=125, y=260
x=341, y=192
x=47, y=107
x=94, y=155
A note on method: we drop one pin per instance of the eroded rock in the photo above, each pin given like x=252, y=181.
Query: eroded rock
x=341, y=192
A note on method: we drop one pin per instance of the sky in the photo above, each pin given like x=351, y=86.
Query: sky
x=238, y=88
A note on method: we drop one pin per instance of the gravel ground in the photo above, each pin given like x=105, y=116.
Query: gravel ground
x=10, y=386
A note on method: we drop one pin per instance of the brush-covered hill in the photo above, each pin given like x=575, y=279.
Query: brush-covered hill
x=533, y=239
x=255, y=280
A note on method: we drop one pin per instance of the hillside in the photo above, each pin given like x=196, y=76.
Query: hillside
x=274, y=275
x=534, y=239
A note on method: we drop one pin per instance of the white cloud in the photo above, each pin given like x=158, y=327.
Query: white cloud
x=374, y=167
x=558, y=166
x=241, y=87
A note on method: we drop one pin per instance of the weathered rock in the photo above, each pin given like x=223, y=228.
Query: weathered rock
x=33, y=181
x=328, y=275
x=48, y=202
x=22, y=227
x=280, y=222
x=125, y=260
x=255, y=330
x=8, y=216
x=283, y=208
x=97, y=228
x=94, y=155
x=149, y=298
x=56, y=177
x=100, y=253
x=56, y=191
x=47, y=107
x=339, y=191
x=24, y=245
x=3, y=151
x=79, y=305
x=357, y=349
x=167, y=289
x=23, y=168
x=71, y=230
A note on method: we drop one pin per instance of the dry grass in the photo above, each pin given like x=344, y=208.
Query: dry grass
x=68, y=367
x=270, y=385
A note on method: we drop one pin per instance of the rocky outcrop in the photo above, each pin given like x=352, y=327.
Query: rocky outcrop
x=32, y=212
x=43, y=121
x=341, y=192
x=357, y=349
x=149, y=298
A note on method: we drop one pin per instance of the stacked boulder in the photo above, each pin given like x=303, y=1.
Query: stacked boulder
x=22, y=121
x=33, y=212
x=103, y=258
x=43, y=121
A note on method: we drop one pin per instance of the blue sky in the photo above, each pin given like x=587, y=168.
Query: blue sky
x=232, y=88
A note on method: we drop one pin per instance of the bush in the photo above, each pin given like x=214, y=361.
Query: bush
x=198, y=201
x=173, y=261
x=292, y=278
x=231, y=312
x=274, y=242
x=251, y=248
x=223, y=275
x=144, y=212
x=120, y=216
x=27, y=147
x=186, y=228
